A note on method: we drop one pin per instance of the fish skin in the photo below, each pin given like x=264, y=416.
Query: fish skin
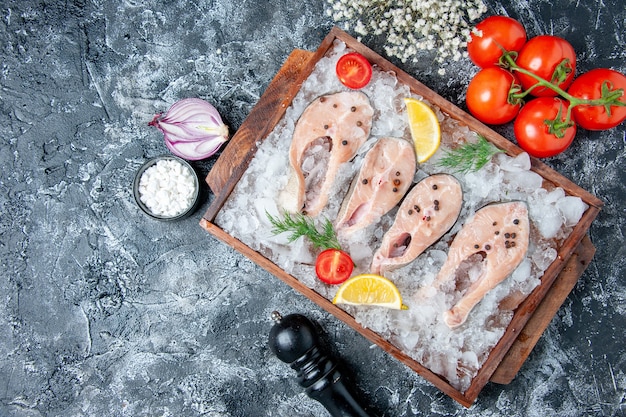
x=424, y=227
x=499, y=261
x=385, y=176
x=331, y=122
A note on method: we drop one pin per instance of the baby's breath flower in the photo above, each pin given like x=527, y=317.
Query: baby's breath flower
x=360, y=29
x=409, y=26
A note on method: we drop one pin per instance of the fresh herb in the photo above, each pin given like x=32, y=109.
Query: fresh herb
x=301, y=225
x=470, y=156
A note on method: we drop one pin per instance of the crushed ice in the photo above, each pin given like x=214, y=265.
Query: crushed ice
x=419, y=332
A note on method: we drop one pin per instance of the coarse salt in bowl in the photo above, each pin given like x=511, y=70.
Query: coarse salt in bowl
x=166, y=188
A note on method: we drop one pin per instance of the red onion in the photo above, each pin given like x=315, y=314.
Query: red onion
x=193, y=129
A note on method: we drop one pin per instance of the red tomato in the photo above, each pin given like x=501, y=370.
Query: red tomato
x=354, y=70
x=488, y=96
x=550, y=57
x=495, y=33
x=333, y=266
x=589, y=86
x=534, y=134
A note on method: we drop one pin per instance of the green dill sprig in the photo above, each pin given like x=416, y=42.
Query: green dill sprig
x=469, y=156
x=301, y=225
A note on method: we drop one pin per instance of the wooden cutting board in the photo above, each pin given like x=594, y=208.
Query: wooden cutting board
x=532, y=316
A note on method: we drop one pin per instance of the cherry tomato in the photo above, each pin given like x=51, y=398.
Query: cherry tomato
x=354, y=70
x=589, y=86
x=494, y=34
x=550, y=57
x=533, y=133
x=488, y=96
x=333, y=266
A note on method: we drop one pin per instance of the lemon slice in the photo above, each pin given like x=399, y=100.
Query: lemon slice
x=369, y=289
x=425, y=128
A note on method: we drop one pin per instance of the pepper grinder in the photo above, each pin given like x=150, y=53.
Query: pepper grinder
x=294, y=340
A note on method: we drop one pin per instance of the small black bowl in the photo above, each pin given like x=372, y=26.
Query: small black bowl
x=196, y=195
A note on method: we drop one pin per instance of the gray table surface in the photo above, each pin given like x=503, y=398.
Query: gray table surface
x=106, y=312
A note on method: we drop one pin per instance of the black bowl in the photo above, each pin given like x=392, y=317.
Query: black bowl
x=196, y=194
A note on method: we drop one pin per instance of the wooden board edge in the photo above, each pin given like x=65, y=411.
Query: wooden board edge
x=276, y=97
x=544, y=313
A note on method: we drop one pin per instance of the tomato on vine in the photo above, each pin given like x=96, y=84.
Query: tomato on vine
x=490, y=96
x=541, y=127
x=491, y=36
x=595, y=84
x=549, y=57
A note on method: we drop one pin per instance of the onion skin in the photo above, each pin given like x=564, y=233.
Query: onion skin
x=193, y=129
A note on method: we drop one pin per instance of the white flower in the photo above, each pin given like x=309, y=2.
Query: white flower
x=411, y=26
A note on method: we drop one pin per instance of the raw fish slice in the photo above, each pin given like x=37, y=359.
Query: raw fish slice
x=429, y=210
x=327, y=134
x=385, y=176
x=499, y=233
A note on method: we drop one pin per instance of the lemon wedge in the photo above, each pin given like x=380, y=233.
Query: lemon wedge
x=425, y=128
x=369, y=289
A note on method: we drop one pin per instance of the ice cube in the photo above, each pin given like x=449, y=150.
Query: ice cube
x=523, y=180
x=572, y=209
x=518, y=163
x=542, y=258
x=548, y=220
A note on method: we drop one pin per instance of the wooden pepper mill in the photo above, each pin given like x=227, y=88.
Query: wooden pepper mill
x=294, y=340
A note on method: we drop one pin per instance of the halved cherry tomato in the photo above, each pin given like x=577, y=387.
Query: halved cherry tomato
x=354, y=70
x=492, y=35
x=488, y=96
x=589, y=86
x=532, y=129
x=550, y=57
x=333, y=266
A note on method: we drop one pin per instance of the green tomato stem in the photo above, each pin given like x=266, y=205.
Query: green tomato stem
x=609, y=97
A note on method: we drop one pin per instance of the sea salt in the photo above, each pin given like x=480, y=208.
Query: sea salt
x=167, y=188
x=455, y=354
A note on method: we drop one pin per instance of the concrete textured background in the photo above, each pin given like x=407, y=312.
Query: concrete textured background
x=106, y=312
